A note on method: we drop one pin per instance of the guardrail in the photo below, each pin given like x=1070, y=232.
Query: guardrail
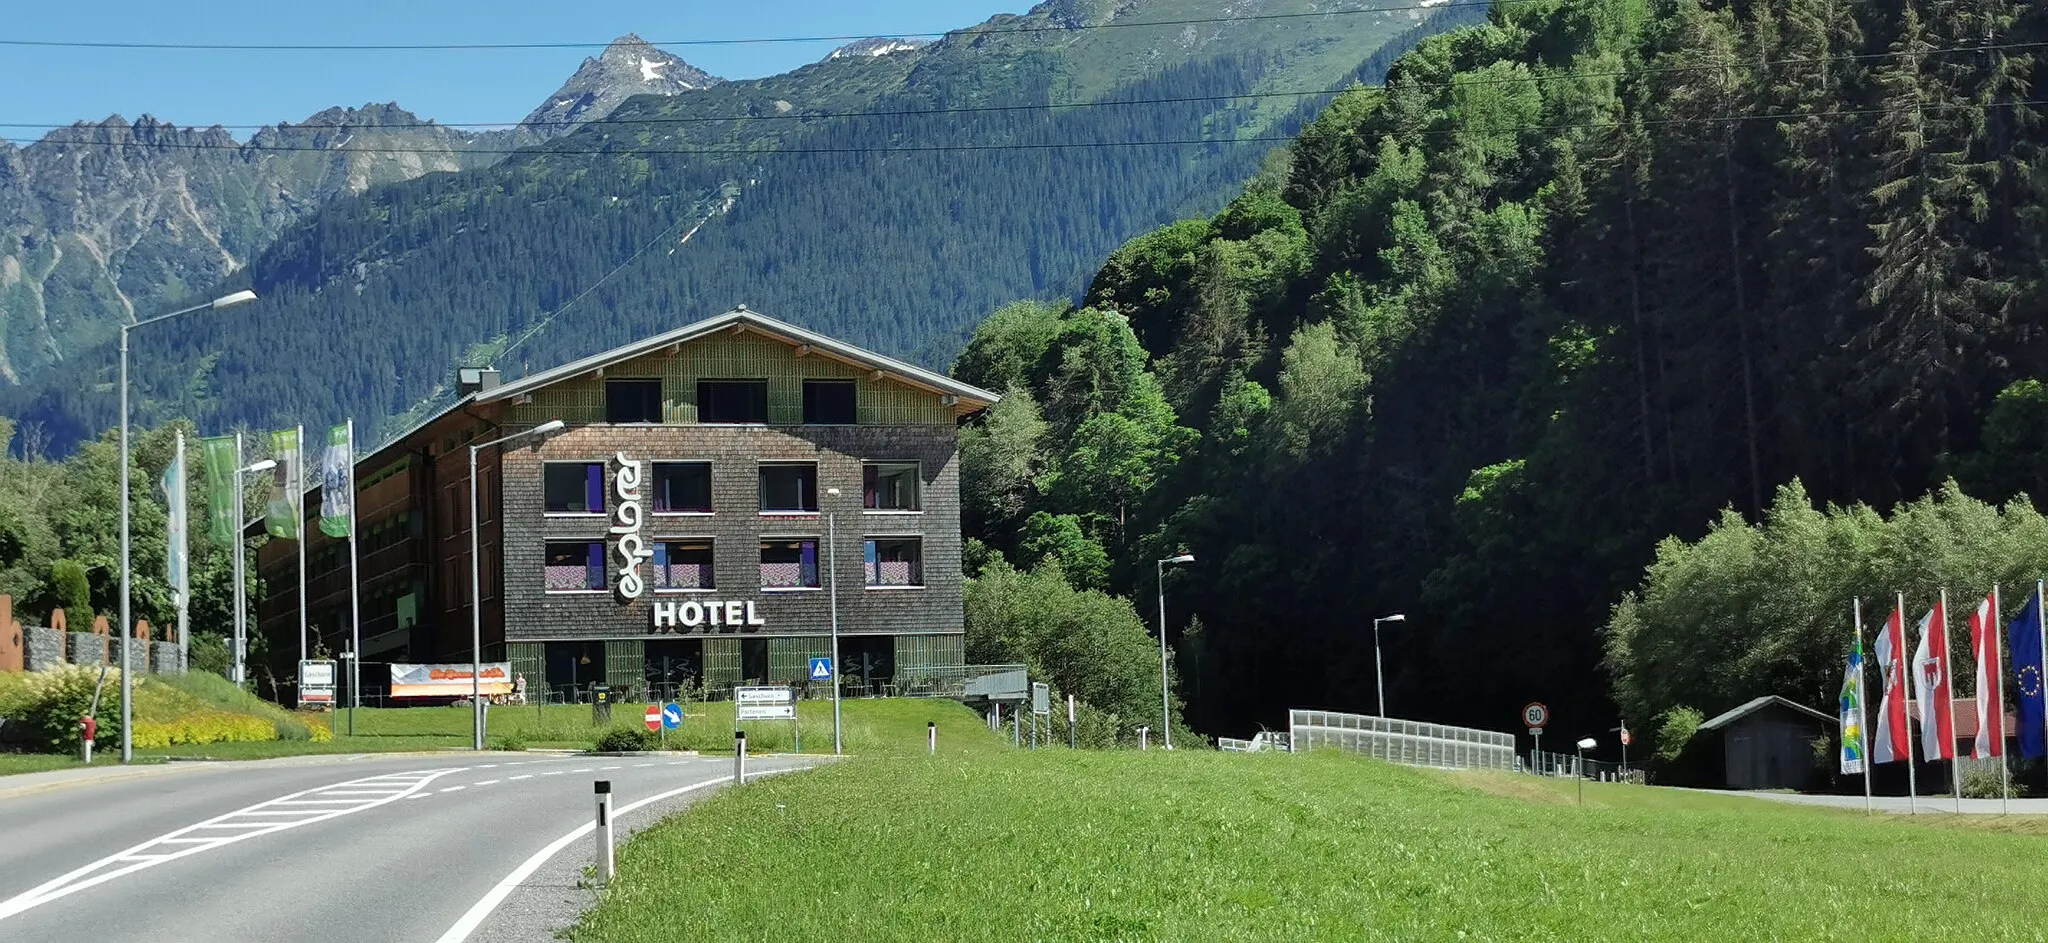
x=1408, y=742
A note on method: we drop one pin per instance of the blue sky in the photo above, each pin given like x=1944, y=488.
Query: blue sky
x=61, y=85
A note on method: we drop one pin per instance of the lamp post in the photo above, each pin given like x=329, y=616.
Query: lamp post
x=1379, y=678
x=1584, y=745
x=241, y=528
x=127, y=626
x=1165, y=691
x=832, y=580
x=476, y=607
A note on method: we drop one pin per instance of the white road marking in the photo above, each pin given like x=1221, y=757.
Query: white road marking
x=421, y=795
x=191, y=840
x=477, y=913
x=455, y=788
x=488, y=782
x=642, y=765
x=488, y=766
x=524, y=776
x=583, y=770
x=603, y=768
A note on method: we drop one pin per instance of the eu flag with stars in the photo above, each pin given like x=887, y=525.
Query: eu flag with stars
x=2027, y=667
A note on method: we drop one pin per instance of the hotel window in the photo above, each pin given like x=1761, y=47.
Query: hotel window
x=632, y=401
x=790, y=488
x=573, y=487
x=829, y=402
x=890, y=486
x=789, y=563
x=575, y=566
x=682, y=487
x=894, y=562
x=732, y=401
x=682, y=565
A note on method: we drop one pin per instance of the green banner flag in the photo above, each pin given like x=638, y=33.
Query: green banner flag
x=219, y=456
x=337, y=482
x=281, y=517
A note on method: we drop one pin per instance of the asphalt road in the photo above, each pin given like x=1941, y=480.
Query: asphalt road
x=417, y=848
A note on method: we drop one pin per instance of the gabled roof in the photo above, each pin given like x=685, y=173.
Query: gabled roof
x=740, y=318
x=1758, y=704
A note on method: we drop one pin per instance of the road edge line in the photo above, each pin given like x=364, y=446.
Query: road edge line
x=475, y=916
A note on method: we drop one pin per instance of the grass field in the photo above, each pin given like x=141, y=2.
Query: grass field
x=1203, y=846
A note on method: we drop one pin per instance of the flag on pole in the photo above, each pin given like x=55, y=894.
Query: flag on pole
x=1990, y=680
x=218, y=456
x=2027, y=668
x=1852, y=711
x=1891, y=745
x=175, y=522
x=337, y=496
x=1931, y=686
x=281, y=516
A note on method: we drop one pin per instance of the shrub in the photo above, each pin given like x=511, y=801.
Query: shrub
x=1680, y=724
x=1987, y=784
x=50, y=703
x=625, y=740
x=71, y=591
x=223, y=694
x=509, y=743
x=206, y=726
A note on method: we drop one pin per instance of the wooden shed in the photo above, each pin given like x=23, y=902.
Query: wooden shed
x=1767, y=743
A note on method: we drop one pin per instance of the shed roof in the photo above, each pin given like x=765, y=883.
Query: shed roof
x=1757, y=704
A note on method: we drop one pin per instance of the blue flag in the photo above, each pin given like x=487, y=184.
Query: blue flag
x=2027, y=668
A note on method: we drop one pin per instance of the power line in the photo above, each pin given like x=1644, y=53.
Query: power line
x=1549, y=76
x=747, y=41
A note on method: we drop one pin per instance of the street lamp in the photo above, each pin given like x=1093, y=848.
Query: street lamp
x=241, y=527
x=1584, y=745
x=127, y=625
x=1379, y=679
x=832, y=580
x=1165, y=696
x=476, y=608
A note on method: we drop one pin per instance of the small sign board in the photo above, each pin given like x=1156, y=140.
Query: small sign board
x=821, y=669
x=672, y=716
x=1625, y=738
x=1041, y=698
x=316, y=683
x=653, y=717
x=1535, y=715
x=774, y=702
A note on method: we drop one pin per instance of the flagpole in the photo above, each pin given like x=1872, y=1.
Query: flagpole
x=1998, y=674
x=355, y=610
x=241, y=604
x=298, y=506
x=1904, y=660
x=1862, y=710
x=1955, y=773
x=184, y=552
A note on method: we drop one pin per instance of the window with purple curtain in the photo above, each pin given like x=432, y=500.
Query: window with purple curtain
x=574, y=566
x=789, y=563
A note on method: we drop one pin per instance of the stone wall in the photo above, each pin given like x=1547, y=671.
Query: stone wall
x=45, y=648
x=86, y=648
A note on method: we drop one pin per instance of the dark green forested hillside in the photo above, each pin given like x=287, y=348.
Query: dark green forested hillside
x=812, y=196
x=1572, y=282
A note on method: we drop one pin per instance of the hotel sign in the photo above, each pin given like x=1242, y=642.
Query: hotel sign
x=628, y=543
x=731, y=615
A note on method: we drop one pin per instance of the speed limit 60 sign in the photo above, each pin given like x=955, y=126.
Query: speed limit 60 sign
x=1535, y=716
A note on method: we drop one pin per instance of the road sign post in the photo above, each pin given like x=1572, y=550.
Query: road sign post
x=1537, y=717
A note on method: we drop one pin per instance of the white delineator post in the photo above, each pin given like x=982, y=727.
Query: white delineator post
x=739, y=757
x=604, y=830
x=1143, y=734
x=931, y=736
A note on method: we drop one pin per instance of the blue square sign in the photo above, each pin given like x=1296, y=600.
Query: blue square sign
x=821, y=669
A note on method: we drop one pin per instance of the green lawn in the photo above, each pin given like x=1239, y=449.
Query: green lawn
x=11, y=763
x=1204, y=846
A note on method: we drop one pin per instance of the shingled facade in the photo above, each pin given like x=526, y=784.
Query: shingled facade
x=682, y=529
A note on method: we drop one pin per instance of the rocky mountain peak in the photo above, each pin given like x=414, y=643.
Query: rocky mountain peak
x=629, y=66
x=876, y=46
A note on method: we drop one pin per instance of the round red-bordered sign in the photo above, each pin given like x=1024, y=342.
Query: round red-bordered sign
x=1535, y=715
x=654, y=717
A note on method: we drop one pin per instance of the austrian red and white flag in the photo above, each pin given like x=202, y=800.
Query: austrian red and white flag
x=1888, y=743
x=1931, y=686
x=1990, y=680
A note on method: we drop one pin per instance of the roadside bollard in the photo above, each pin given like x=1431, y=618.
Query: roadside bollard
x=739, y=757
x=604, y=830
x=86, y=729
x=931, y=736
x=1144, y=734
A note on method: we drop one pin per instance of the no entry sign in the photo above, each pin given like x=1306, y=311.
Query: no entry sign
x=654, y=717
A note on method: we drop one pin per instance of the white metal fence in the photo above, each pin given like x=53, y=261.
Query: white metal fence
x=1266, y=740
x=1408, y=742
